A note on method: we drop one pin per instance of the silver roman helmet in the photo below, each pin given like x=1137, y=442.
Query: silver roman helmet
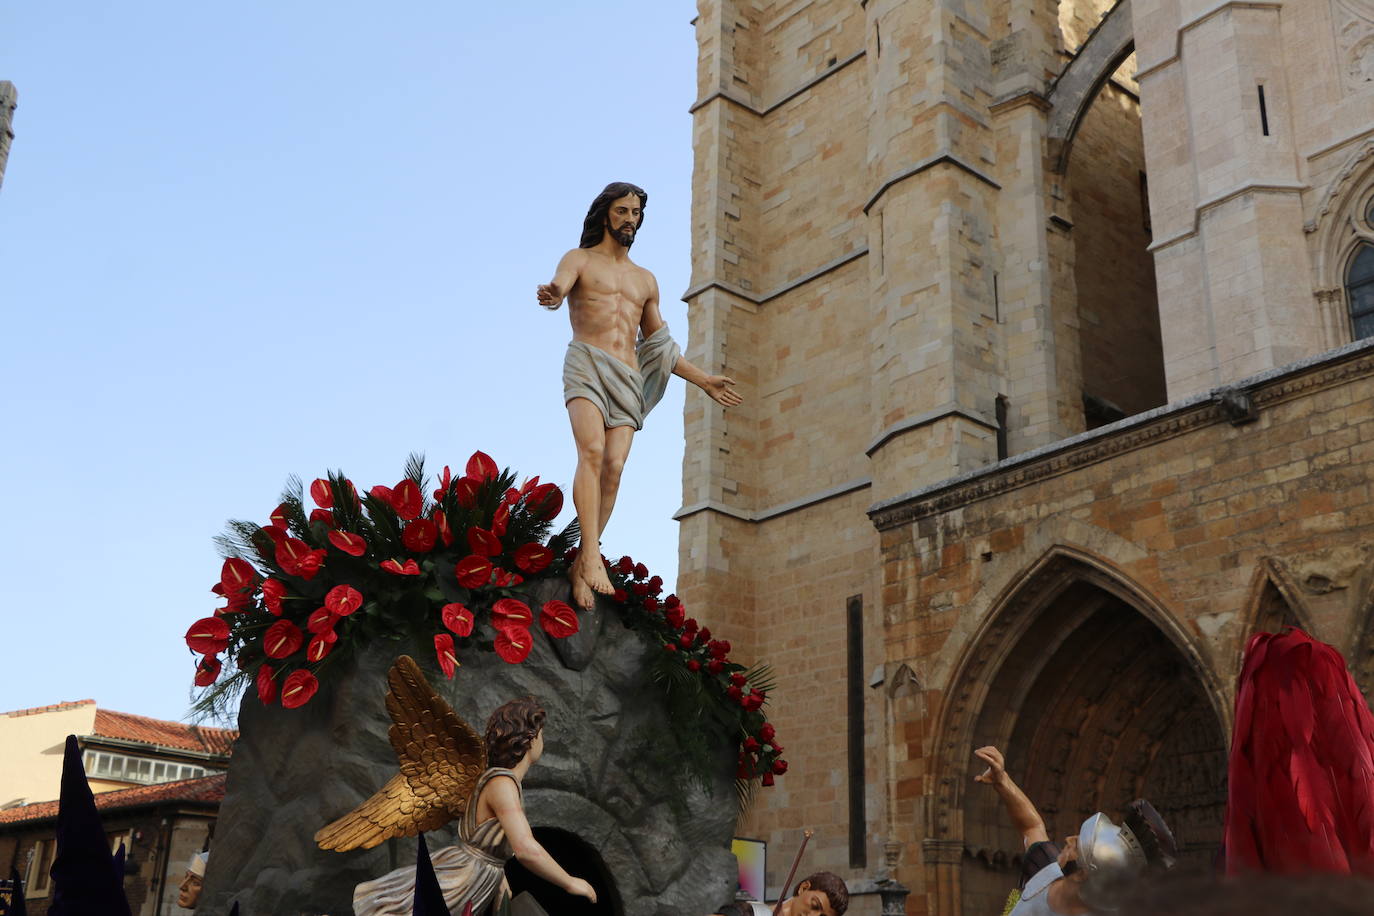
x=1113, y=856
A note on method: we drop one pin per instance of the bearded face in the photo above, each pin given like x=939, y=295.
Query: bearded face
x=623, y=218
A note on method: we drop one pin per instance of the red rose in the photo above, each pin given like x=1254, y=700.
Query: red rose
x=767, y=779
x=278, y=518
x=296, y=558
x=694, y=665
x=640, y=588
x=321, y=493
x=513, y=644
x=619, y=596
x=558, y=619
x=448, y=656
x=235, y=576
x=533, y=558
x=656, y=584
x=321, y=620
x=207, y=670
x=641, y=571
x=409, y=568
x=624, y=565
x=473, y=571
x=281, y=639
x=407, y=499
x=750, y=745
x=483, y=542
x=458, y=619
x=351, y=544
x=767, y=732
x=298, y=688
x=674, y=615
x=672, y=601
x=208, y=636
x=706, y=634
x=465, y=491
x=650, y=604
x=320, y=646
x=267, y=687
x=419, y=535
x=670, y=647
x=273, y=591
x=779, y=766
x=751, y=702
x=324, y=516
x=733, y=692
x=715, y=666
x=481, y=466
x=719, y=648
x=738, y=680
x=742, y=770
x=508, y=613
x=441, y=522
x=343, y=600
x=690, y=625
x=545, y=500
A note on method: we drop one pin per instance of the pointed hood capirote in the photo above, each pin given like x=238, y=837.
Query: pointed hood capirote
x=83, y=878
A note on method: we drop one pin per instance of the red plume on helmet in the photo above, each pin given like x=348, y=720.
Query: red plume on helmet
x=1301, y=790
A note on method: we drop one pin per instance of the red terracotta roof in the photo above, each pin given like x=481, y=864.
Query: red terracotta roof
x=208, y=789
x=157, y=732
x=56, y=707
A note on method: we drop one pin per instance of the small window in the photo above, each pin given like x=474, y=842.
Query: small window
x=39, y=866
x=1359, y=288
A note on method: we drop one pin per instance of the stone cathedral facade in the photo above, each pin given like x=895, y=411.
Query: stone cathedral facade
x=1054, y=322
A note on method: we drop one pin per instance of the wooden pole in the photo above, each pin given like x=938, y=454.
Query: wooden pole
x=777, y=907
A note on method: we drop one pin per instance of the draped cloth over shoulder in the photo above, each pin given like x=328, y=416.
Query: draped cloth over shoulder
x=473, y=869
x=624, y=395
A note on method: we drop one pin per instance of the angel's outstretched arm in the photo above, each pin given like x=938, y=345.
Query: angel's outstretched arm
x=503, y=797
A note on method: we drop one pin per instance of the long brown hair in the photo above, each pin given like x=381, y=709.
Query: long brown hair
x=594, y=226
x=511, y=730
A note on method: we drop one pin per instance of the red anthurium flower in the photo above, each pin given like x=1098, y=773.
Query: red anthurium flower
x=208, y=636
x=298, y=688
x=545, y=500
x=322, y=515
x=322, y=494
x=448, y=656
x=465, y=491
x=207, y=670
x=458, y=619
x=275, y=534
x=483, y=542
x=407, y=499
x=273, y=591
x=343, y=600
x=558, y=619
x=500, y=520
x=529, y=485
x=513, y=644
x=281, y=639
x=278, y=517
x=349, y=543
x=511, y=498
x=321, y=620
x=297, y=559
x=481, y=466
x=420, y=535
x=506, y=579
x=473, y=571
x=267, y=687
x=236, y=604
x=409, y=568
x=509, y=612
x=320, y=646
x=445, y=480
x=235, y=576
x=441, y=523
x=384, y=494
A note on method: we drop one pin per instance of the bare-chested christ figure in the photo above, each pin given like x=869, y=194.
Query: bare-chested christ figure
x=617, y=364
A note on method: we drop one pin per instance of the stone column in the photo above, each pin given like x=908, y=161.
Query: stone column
x=9, y=100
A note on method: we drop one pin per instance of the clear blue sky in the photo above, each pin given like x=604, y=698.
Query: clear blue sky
x=240, y=241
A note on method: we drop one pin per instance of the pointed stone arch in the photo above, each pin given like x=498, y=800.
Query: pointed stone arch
x=1074, y=90
x=1092, y=688
x=1275, y=601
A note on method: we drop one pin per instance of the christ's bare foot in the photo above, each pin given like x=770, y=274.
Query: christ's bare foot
x=582, y=593
x=593, y=572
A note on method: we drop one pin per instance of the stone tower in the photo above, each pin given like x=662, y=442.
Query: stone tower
x=9, y=100
x=1049, y=322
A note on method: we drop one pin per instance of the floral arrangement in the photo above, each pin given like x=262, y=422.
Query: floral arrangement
x=453, y=566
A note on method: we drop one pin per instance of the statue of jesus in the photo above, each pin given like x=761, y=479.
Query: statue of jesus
x=617, y=365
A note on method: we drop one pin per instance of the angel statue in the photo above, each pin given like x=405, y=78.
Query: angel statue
x=448, y=771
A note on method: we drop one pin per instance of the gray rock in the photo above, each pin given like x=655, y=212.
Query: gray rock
x=293, y=771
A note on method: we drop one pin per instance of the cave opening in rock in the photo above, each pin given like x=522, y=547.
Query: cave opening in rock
x=578, y=858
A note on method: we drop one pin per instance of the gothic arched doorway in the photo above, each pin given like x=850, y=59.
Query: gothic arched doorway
x=1093, y=706
x=578, y=858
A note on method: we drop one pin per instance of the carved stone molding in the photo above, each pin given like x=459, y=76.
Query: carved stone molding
x=1353, y=21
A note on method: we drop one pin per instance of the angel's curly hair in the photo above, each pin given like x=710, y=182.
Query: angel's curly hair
x=511, y=730
x=594, y=226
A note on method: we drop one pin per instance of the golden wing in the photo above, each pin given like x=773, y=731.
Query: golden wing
x=441, y=758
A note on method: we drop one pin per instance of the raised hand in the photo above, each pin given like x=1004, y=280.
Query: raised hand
x=997, y=765
x=547, y=295
x=721, y=390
